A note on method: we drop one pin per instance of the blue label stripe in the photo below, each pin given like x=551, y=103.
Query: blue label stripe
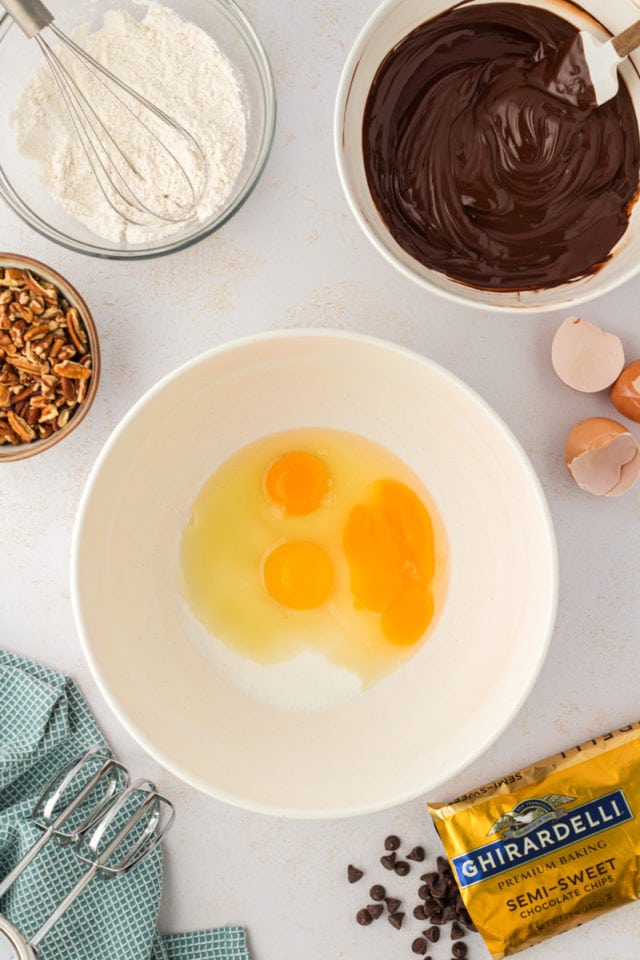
x=571, y=826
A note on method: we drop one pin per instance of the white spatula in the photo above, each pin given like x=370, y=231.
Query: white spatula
x=585, y=69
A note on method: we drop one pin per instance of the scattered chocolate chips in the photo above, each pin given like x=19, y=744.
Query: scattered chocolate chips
x=441, y=901
x=416, y=854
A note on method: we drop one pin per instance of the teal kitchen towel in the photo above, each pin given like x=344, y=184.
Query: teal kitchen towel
x=44, y=723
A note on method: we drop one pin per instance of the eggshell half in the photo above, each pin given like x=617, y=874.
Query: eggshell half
x=602, y=456
x=625, y=393
x=585, y=357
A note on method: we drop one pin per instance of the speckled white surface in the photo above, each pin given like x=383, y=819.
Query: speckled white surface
x=294, y=256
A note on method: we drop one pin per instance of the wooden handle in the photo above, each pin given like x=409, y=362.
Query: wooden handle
x=628, y=40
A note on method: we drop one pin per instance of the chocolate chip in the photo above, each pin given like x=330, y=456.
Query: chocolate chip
x=430, y=877
x=395, y=919
x=435, y=916
x=439, y=889
x=456, y=931
x=419, y=913
x=402, y=868
x=388, y=861
x=424, y=892
x=464, y=918
x=419, y=945
x=374, y=910
x=431, y=906
x=432, y=934
x=392, y=904
x=459, y=950
x=354, y=874
x=416, y=854
x=363, y=917
x=448, y=913
x=377, y=892
x=442, y=864
x=392, y=842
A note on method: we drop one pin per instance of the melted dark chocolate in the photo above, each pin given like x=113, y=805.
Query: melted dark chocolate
x=479, y=170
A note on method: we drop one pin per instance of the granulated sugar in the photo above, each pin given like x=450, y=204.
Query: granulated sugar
x=180, y=69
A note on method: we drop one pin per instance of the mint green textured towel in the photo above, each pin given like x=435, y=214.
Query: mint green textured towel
x=45, y=722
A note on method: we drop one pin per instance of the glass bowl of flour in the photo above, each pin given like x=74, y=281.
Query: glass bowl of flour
x=198, y=60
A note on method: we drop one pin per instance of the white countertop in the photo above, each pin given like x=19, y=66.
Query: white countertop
x=293, y=256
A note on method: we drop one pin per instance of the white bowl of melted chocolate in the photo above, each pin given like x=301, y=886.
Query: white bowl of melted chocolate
x=471, y=171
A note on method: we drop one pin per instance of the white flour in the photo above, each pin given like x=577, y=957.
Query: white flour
x=180, y=69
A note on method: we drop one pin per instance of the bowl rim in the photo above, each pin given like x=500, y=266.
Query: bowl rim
x=155, y=751
x=453, y=295
x=32, y=219
x=25, y=450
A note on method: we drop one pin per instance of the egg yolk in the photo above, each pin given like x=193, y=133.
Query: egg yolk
x=296, y=483
x=388, y=544
x=299, y=575
x=408, y=615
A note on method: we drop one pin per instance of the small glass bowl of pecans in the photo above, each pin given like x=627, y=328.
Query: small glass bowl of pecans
x=49, y=357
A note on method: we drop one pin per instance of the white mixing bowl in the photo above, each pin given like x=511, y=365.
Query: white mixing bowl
x=392, y=21
x=418, y=726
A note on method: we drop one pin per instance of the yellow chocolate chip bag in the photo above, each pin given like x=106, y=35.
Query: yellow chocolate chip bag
x=551, y=846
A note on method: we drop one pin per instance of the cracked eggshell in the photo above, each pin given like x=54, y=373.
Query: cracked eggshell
x=625, y=393
x=586, y=357
x=602, y=456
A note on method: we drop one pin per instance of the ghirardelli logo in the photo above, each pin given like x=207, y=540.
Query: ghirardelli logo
x=530, y=814
x=538, y=827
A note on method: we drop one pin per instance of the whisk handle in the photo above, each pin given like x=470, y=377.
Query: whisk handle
x=30, y=15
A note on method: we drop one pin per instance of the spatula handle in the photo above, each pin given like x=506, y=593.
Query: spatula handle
x=625, y=42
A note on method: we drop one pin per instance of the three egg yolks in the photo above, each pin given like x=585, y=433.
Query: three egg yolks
x=387, y=541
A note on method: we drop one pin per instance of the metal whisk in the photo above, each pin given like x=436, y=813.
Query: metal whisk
x=122, y=174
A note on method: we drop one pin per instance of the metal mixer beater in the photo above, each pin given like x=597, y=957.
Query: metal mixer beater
x=113, y=825
x=157, y=154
